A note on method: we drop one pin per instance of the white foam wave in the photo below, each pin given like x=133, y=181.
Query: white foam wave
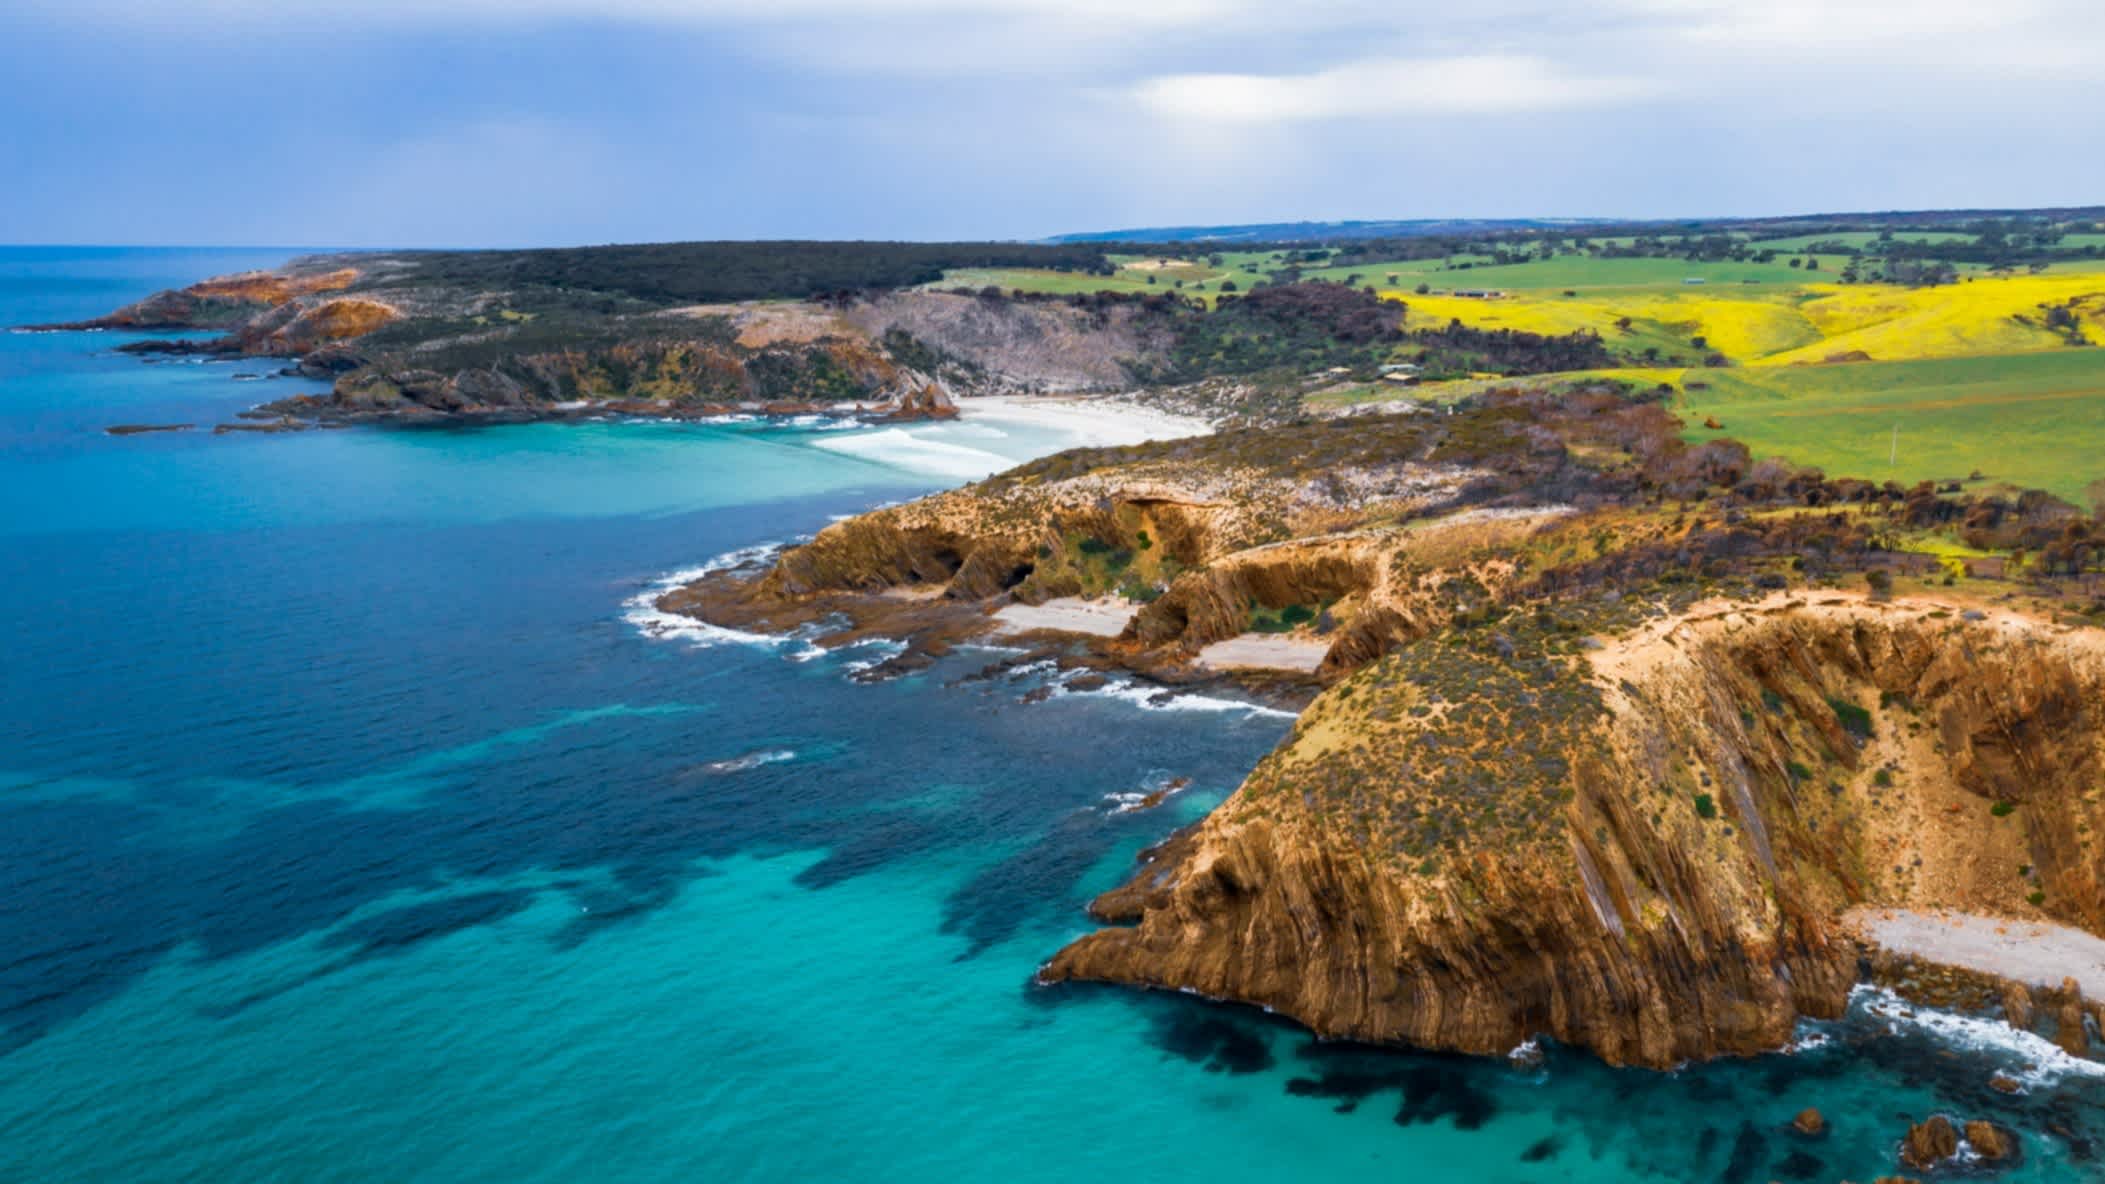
x=2045, y=1061
x=825, y=423
x=887, y=648
x=751, y=760
x=902, y=449
x=642, y=611
x=1146, y=799
x=1159, y=698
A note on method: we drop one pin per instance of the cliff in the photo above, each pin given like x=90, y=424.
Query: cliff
x=1643, y=849
x=424, y=336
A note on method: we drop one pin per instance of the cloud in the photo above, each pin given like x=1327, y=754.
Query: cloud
x=1488, y=84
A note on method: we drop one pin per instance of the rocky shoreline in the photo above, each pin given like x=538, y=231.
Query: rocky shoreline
x=1546, y=784
x=398, y=348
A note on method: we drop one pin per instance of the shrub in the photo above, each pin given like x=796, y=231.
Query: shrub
x=1854, y=720
x=2002, y=809
x=1706, y=807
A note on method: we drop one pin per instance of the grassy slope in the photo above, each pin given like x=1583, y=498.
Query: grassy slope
x=2034, y=420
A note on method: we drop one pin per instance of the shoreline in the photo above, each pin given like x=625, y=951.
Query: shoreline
x=2036, y=953
x=1104, y=420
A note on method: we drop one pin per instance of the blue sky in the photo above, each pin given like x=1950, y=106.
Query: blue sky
x=490, y=122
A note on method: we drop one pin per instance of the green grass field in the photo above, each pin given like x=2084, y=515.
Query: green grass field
x=2030, y=420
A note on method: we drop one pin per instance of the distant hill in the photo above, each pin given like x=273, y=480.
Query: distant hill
x=1291, y=232
x=1316, y=232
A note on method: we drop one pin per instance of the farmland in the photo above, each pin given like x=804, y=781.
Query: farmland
x=1810, y=322
x=2027, y=420
x=1817, y=358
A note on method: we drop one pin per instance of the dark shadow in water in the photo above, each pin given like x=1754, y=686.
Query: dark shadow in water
x=1727, y=1121
x=303, y=724
x=1033, y=884
x=411, y=925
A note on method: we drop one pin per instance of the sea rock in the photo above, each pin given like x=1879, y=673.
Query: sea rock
x=2069, y=1014
x=2003, y=1083
x=1929, y=1143
x=1810, y=1122
x=2017, y=1005
x=1990, y=1141
x=139, y=429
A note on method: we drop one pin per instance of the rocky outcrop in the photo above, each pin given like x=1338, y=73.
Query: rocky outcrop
x=645, y=377
x=223, y=301
x=1009, y=346
x=1929, y=1143
x=1642, y=851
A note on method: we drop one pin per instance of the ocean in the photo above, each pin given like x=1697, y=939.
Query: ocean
x=359, y=822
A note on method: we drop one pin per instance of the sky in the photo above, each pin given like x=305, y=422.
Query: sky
x=523, y=122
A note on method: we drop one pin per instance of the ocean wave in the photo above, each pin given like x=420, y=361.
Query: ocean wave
x=1128, y=802
x=642, y=611
x=1147, y=698
x=2044, y=1062
x=887, y=648
x=750, y=760
x=1164, y=699
x=902, y=449
x=825, y=423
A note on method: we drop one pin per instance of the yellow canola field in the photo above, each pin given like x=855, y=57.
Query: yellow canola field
x=1810, y=323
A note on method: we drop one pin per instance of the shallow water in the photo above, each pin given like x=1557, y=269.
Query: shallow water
x=353, y=826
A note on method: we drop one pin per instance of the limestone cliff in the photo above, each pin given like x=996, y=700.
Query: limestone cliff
x=1641, y=849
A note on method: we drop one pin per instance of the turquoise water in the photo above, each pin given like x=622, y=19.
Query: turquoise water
x=351, y=828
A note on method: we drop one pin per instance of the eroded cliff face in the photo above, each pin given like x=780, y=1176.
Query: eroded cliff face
x=1199, y=547
x=660, y=376
x=1642, y=849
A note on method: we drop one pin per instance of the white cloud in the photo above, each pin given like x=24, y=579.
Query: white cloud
x=1388, y=87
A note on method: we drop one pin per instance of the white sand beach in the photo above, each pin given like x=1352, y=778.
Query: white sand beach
x=1265, y=651
x=1089, y=421
x=2037, y=953
x=997, y=432
x=1105, y=617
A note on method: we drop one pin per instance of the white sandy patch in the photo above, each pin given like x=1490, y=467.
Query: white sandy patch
x=2038, y=953
x=919, y=450
x=1267, y=651
x=1105, y=617
x=1083, y=422
x=993, y=433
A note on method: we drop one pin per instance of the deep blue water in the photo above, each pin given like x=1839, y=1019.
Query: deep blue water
x=350, y=829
